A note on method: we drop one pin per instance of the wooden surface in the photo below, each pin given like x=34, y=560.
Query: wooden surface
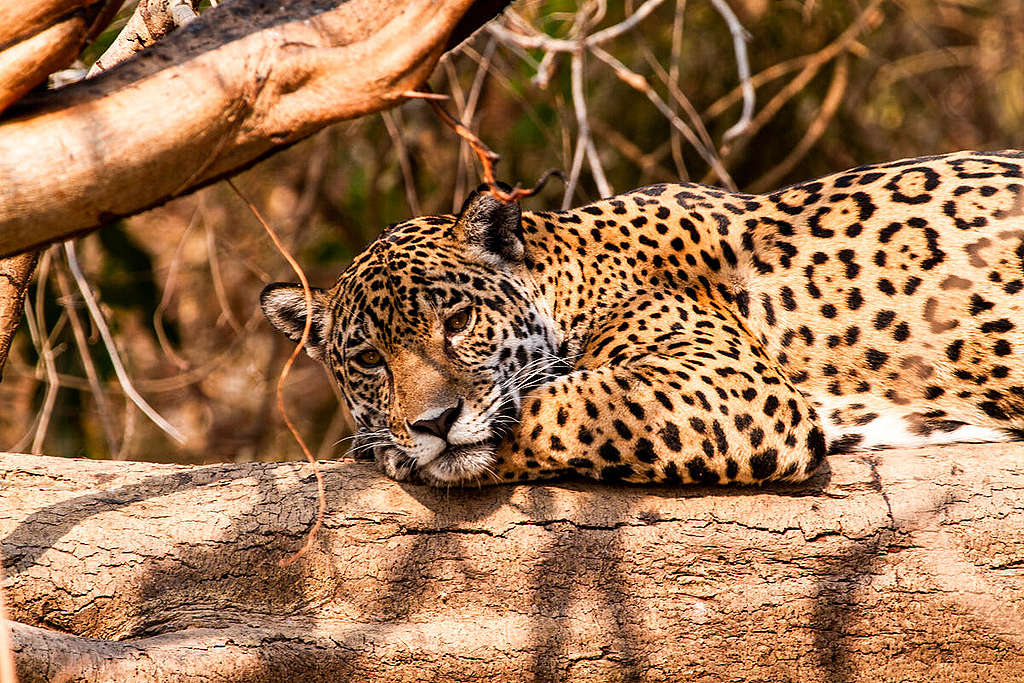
x=894, y=565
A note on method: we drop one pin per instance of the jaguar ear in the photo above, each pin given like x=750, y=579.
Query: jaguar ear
x=491, y=225
x=284, y=304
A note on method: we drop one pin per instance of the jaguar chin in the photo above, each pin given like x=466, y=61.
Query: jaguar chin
x=461, y=464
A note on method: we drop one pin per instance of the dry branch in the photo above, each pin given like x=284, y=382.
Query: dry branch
x=245, y=79
x=39, y=37
x=898, y=565
x=151, y=21
x=15, y=274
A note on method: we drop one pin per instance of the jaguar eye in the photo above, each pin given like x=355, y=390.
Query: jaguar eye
x=457, y=322
x=369, y=358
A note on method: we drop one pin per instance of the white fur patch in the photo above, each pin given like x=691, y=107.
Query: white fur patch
x=892, y=429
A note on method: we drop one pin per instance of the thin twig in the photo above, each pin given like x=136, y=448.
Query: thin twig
x=628, y=24
x=82, y=342
x=913, y=65
x=582, y=130
x=166, y=384
x=108, y=342
x=829, y=106
x=128, y=432
x=476, y=88
x=488, y=158
x=46, y=350
x=417, y=95
x=769, y=74
x=814, y=64
x=168, y=293
x=649, y=163
x=308, y=294
x=514, y=93
x=462, y=157
x=545, y=70
x=699, y=139
x=218, y=282
x=312, y=184
x=739, y=44
x=33, y=333
x=547, y=43
x=579, y=102
x=408, y=179
x=680, y=98
x=639, y=83
x=675, y=58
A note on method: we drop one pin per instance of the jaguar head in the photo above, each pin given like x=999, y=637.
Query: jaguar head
x=434, y=333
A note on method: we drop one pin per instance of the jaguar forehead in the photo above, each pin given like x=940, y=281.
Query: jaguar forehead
x=405, y=278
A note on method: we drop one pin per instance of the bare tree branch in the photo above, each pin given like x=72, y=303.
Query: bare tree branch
x=534, y=39
x=547, y=43
x=36, y=319
x=870, y=14
x=38, y=38
x=151, y=21
x=639, y=83
x=402, y=152
x=69, y=301
x=244, y=80
x=829, y=106
x=111, y=346
x=739, y=42
x=15, y=275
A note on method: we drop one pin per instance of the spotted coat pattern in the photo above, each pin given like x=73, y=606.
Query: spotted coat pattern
x=681, y=333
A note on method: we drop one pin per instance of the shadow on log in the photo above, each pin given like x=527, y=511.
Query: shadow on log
x=901, y=565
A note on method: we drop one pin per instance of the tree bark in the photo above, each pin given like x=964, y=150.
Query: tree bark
x=15, y=274
x=41, y=36
x=36, y=39
x=896, y=565
x=245, y=79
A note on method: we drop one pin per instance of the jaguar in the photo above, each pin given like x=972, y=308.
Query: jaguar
x=681, y=333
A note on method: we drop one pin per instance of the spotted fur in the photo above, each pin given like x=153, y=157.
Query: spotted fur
x=682, y=333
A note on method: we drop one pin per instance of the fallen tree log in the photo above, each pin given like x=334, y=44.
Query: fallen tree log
x=899, y=565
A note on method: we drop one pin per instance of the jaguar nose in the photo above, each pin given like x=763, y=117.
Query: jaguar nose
x=440, y=425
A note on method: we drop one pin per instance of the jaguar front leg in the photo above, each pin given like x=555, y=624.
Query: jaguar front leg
x=709, y=412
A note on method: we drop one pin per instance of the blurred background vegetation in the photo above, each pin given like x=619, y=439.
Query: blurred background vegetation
x=838, y=83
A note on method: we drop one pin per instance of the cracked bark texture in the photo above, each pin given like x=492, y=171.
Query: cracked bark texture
x=896, y=565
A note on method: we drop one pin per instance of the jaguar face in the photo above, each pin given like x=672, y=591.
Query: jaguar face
x=434, y=333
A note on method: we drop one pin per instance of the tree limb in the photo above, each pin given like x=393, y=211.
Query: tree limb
x=37, y=38
x=245, y=79
x=15, y=274
x=151, y=21
x=893, y=565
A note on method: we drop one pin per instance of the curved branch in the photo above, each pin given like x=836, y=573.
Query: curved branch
x=242, y=81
